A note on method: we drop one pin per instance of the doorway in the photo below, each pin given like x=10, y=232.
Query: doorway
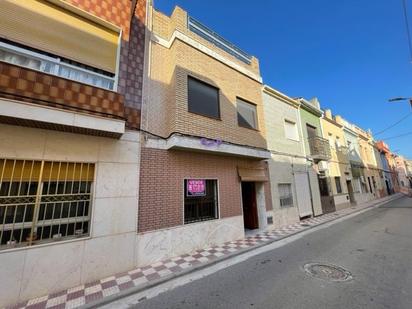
x=250, y=211
x=388, y=189
x=350, y=192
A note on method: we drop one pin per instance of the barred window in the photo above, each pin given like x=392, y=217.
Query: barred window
x=201, y=205
x=43, y=201
x=285, y=194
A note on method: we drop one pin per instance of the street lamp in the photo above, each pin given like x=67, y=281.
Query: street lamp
x=401, y=99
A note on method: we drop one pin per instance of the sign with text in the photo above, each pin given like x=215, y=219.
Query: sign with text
x=196, y=187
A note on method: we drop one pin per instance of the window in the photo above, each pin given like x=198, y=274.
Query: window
x=338, y=185
x=285, y=194
x=291, y=130
x=331, y=142
x=246, y=114
x=43, y=201
x=201, y=200
x=32, y=59
x=337, y=141
x=203, y=99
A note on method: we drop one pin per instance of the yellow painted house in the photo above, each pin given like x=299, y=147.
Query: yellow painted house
x=338, y=189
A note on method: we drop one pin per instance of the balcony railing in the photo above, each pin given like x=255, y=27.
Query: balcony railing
x=54, y=66
x=319, y=148
x=214, y=38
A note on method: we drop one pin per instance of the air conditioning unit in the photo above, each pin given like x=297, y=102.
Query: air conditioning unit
x=322, y=166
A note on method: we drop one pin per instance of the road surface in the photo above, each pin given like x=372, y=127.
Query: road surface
x=375, y=247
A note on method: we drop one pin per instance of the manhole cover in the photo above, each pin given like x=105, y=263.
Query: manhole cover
x=327, y=272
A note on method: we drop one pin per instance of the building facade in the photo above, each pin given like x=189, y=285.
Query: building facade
x=204, y=179
x=316, y=150
x=339, y=180
x=291, y=186
x=403, y=173
x=69, y=155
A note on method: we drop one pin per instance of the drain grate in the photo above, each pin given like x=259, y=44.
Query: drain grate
x=327, y=272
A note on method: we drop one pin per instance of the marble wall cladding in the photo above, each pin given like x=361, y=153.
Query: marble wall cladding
x=11, y=276
x=51, y=269
x=363, y=197
x=341, y=201
x=159, y=245
x=261, y=205
x=44, y=269
x=284, y=216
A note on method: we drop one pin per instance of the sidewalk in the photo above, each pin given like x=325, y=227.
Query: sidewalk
x=120, y=285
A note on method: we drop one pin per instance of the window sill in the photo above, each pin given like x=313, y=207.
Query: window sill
x=207, y=116
x=200, y=221
x=253, y=129
x=293, y=140
x=46, y=244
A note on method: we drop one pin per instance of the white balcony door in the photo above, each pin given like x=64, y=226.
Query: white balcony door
x=303, y=194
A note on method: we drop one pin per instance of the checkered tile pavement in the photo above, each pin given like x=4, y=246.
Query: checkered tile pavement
x=94, y=291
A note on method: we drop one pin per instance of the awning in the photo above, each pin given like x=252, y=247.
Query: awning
x=252, y=174
x=48, y=27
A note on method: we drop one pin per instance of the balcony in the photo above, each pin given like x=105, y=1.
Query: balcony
x=319, y=149
x=32, y=98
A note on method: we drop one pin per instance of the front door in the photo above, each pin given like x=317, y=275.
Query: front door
x=250, y=214
x=303, y=194
x=350, y=191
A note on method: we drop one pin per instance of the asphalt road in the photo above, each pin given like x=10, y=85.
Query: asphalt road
x=376, y=247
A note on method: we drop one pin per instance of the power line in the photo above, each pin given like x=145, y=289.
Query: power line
x=395, y=124
x=397, y=136
x=408, y=32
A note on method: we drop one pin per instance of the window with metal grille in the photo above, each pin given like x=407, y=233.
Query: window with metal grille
x=201, y=207
x=44, y=201
x=285, y=194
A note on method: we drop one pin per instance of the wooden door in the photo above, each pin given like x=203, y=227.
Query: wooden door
x=250, y=214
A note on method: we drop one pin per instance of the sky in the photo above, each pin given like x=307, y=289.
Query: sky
x=352, y=55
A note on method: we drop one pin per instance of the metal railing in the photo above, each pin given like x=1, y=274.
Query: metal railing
x=319, y=148
x=214, y=38
x=54, y=65
x=286, y=201
x=43, y=201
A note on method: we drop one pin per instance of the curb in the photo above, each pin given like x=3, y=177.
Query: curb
x=154, y=283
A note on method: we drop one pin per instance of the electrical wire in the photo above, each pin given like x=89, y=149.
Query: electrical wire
x=395, y=124
x=397, y=136
x=408, y=32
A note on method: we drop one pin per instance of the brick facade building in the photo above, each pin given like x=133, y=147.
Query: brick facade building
x=185, y=144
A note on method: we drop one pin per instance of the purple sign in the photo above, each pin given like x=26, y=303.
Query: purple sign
x=210, y=142
x=196, y=187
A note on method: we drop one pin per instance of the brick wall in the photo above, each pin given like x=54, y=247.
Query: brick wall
x=132, y=21
x=161, y=184
x=167, y=111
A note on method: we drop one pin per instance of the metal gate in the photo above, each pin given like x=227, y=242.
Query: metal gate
x=43, y=201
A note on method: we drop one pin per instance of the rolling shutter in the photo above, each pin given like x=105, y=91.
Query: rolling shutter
x=48, y=27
